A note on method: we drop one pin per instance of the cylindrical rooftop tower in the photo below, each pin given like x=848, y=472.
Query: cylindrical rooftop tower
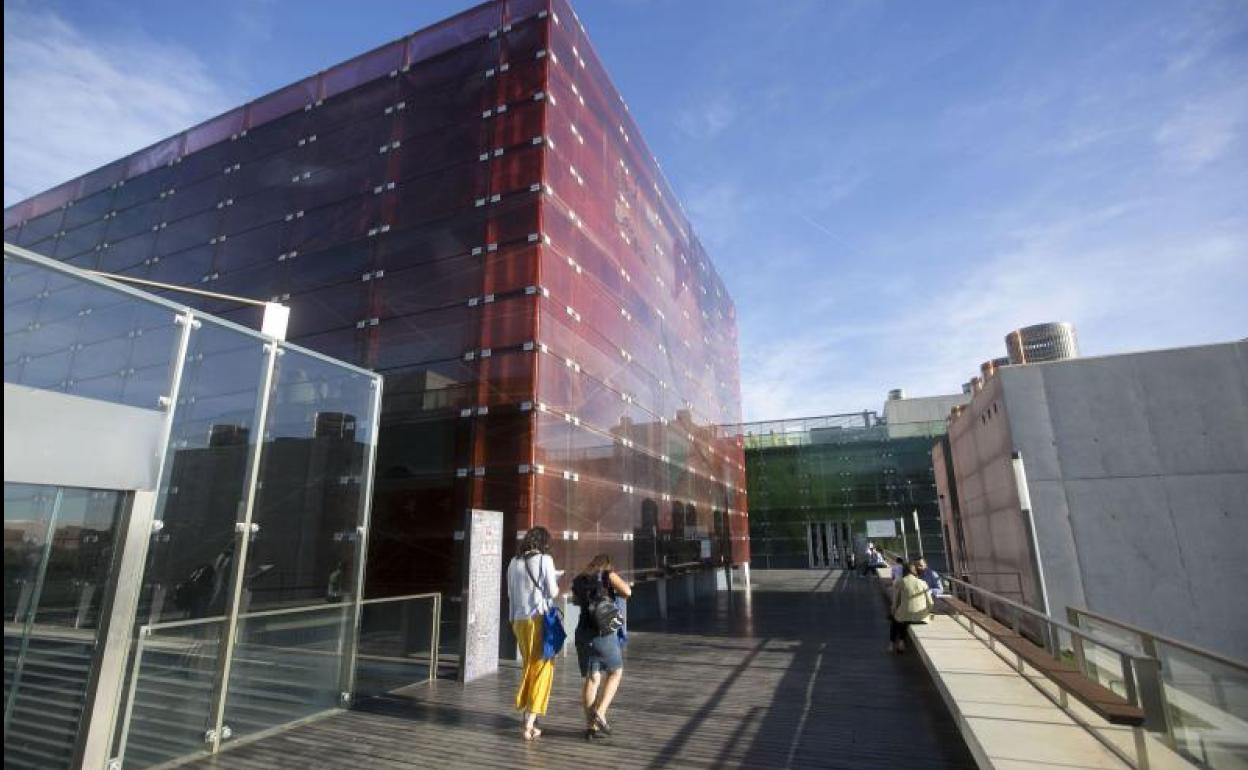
x=1042, y=342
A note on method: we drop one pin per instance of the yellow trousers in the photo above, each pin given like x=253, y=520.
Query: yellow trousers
x=538, y=674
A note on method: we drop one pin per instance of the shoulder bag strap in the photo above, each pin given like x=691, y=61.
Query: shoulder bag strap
x=528, y=571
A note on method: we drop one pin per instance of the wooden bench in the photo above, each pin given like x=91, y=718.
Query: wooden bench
x=1106, y=703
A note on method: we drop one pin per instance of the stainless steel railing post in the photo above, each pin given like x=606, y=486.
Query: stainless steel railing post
x=435, y=637
x=1076, y=641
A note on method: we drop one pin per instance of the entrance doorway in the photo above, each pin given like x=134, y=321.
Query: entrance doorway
x=823, y=544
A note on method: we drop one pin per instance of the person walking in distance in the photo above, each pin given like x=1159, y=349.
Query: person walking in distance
x=598, y=652
x=532, y=586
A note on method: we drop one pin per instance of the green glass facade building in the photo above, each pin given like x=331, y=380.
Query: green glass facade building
x=815, y=483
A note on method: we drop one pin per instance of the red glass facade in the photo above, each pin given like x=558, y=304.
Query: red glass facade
x=471, y=211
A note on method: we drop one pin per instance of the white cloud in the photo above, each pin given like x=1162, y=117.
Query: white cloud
x=1204, y=130
x=709, y=118
x=74, y=101
x=813, y=362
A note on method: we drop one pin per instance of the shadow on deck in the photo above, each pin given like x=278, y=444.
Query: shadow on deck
x=793, y=675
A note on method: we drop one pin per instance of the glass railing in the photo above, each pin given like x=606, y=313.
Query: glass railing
x=171, y=704
x=284, y=667
x=398, y=644
x=1205, y=695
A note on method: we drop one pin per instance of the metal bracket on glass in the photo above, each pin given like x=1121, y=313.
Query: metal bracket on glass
x=344, y=697
x=210, y=736
x=242, y=528
x=157, y=526
x=113, y=764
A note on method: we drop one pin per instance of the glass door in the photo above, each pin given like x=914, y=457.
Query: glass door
x=820, y=544
x=59, y=547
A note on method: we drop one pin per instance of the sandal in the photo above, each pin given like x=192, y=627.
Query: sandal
x=597, y=722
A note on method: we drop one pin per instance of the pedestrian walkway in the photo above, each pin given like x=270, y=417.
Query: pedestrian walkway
x=792, y=675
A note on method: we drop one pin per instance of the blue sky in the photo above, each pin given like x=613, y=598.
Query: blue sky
x=886, y=187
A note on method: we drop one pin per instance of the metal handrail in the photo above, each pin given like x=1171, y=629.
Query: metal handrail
x=150, y=627
x=283, y=611
x=1074, y=612
x=384, y=599
x=1049, y=620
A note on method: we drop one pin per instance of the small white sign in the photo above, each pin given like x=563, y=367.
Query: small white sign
x=881, y=528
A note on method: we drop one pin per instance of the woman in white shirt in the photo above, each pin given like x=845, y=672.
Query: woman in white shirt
x=532, y=587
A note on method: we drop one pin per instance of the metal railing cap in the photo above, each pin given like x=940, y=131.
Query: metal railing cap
x=1171, y=642
x=1049, y=619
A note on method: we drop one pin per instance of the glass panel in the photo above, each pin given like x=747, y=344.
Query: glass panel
x=1103, y=666
x=396, y=638
x=189, y=561
x=286, y=666
x=63, y=333
x=311, y=495
x=57, y=562
x=1208, y=702
x=172, y=708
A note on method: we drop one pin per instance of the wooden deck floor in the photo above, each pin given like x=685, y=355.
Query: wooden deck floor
x=793, y=676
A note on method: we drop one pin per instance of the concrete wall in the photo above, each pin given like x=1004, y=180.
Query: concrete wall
x=1137, y=468
x=994, y=532
x=924, y=416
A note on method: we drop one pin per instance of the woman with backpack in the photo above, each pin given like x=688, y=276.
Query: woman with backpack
x=598, y=652
x=532, y=587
